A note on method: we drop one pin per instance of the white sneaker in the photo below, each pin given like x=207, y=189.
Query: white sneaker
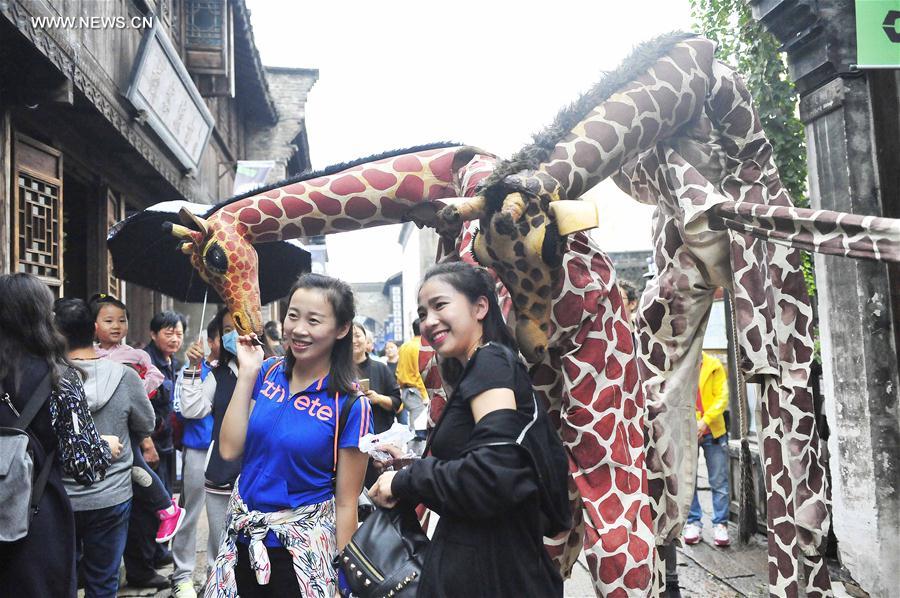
x=691, y=533
x=141, y=477
x=185, y=589
x=720, y=535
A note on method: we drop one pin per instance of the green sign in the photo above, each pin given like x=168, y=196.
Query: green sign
x=877, y=34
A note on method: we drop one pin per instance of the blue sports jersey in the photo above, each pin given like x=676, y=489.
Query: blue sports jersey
x=289, y=451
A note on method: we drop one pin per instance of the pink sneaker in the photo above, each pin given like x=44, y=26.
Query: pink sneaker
x=170, y=521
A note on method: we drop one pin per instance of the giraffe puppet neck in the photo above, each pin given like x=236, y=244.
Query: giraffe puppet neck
x=377, y=193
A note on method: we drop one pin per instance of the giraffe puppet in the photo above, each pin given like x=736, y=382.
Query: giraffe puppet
x=596, y=402
x=676, y=129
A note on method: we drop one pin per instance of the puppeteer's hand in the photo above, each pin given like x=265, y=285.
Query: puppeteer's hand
x=380, y=493
x=249, y=353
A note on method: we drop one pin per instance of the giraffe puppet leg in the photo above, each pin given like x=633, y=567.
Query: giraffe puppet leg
x=601, y=424
x=796, y=494
x=672, y=320
x=565, y=548
x=796, y=504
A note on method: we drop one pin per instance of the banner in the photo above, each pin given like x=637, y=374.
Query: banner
x=877, y=34
x=251, y=174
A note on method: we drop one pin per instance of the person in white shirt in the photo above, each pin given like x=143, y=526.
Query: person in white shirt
x=199, y=398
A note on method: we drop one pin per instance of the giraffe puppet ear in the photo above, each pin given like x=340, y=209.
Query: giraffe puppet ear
x=189, y=218
x=186, y=247
x=573, y=216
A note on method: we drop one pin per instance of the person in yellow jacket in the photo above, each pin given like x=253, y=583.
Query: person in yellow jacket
x=712, y=436
x=412, y=388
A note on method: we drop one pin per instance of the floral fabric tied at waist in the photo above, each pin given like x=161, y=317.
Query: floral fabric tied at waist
x=308, y=533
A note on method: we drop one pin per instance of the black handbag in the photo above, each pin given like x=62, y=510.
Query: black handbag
x=385, y=556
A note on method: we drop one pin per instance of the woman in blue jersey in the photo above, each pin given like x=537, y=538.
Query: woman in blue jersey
x=294, y=505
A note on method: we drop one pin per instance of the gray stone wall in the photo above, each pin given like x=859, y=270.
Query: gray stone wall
x=371, y=302
x=853, y=136
x=289, y=89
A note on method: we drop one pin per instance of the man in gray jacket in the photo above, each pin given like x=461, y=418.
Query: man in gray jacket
x=119, y=406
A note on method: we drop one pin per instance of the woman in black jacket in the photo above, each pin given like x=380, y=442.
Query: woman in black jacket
x=43, y=562
x=383, y=391
x=496, y=473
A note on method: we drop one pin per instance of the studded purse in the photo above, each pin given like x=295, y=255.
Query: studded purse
x=385, y=556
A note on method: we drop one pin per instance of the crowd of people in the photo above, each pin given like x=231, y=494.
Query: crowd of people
x=269, y=433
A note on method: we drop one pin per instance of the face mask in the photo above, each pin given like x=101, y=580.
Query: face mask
x=229, y=341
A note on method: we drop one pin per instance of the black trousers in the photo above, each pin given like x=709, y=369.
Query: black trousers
x=282, y=580
x=670, y=556
x=141, y=550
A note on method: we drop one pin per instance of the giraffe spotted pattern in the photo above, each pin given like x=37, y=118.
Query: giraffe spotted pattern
x=684, y=136
x=681, y=135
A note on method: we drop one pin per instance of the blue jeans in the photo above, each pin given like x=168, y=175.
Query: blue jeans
x=99, y=543
x=715, y=450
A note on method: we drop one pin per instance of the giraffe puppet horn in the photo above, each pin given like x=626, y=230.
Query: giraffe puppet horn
x=188, y=218
x=178, y=231
x=573, y=216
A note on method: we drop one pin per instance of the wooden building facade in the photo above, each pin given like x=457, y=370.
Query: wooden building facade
x=109, y=107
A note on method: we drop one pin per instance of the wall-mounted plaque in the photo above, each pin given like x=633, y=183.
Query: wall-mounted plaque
x=163, y=91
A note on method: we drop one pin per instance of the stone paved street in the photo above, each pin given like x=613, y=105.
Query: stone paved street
x=704, y=570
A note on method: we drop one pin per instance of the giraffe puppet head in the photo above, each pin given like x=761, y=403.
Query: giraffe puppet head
x=521, y=237
x=225, y=259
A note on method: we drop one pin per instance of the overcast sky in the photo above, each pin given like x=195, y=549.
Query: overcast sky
x=400, y=73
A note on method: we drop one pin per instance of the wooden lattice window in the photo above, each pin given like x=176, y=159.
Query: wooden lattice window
x=205, y=23
x=38, y=211
x=115, y=211
x=208, y=34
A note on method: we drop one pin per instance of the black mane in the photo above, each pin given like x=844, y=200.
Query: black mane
x=530, y=157
x=328, y=170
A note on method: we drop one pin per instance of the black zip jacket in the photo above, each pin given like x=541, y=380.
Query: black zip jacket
x=384, y=383
x=221, y=474
x=496, y=501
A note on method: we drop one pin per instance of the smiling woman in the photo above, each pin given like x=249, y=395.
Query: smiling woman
x=458, y=312
x=481, y=436
x=296, y=424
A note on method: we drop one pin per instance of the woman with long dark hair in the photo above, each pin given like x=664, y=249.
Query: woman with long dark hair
x=381, y=389
x=294, y=504
x=497, y=472
x=63, y=432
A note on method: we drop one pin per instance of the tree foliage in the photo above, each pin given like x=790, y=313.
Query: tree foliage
x=754, y=52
